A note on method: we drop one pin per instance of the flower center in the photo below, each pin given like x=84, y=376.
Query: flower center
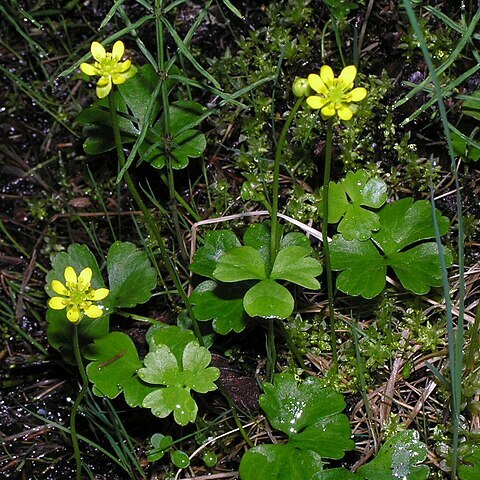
x=79, y=293
x=108, y=65
x=337, y=93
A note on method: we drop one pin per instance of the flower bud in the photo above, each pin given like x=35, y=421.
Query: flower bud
x=301, y=88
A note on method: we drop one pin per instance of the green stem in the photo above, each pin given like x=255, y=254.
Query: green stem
x=149, y=220
x=271, y=352
x=83, y=391
x=275, y=237
x=166, y=126
x=291, y=344
x=326, y=247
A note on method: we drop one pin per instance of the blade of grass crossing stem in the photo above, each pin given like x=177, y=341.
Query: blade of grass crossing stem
x=446, y=91
x=464, y=39
x=361, y=379
x=455, y=343
x=100, y=196
x=184, y=49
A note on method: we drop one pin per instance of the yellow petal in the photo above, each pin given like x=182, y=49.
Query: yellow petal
x=316, y=83
x=124, y=66
x=348, y=74
x=316, y=102
x=118, y=50
x=70, y=275
x=344, y=112
x=130, y=72
x=88, y=69
x=104, y=86
x=73, y=314
x=357, y=94
x=98, y=51
x=99, y=294
x=59, y=287
x=57, y=303
x=85, y=276
x=93, y=311
x=326, y=74
x=328, y=110
x=118, y=78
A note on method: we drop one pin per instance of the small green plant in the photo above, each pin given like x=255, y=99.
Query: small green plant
x=399, y=244
x=226, y=261
x=347, y=201
x=309, y=414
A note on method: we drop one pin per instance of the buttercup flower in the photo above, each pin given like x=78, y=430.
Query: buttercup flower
x=335, y=95
x=108, y=67
x=77, y=295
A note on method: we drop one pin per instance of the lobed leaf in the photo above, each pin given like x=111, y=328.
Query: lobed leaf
x=398, y=458
x=216, y=244
x=347, y=200
x=294, y=264
x=240, y=263
x=114, y=368
x=363, y=265
x=131, y=275
x=222, y=303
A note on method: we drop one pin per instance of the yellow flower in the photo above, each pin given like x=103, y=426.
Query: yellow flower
x=335, y=95
x=108, y=67
x=77, y=295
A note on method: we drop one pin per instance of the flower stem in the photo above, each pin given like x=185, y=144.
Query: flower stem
x=149, y=220
x=83, y=391
x=291, y=344
x=326, y=247
x=275, y=234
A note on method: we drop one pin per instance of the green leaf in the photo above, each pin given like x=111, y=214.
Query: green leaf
x=348, y=198
x=240, y=263
x=131, y=275
x=280, y=462
x=180, y=459
x=295, y=239
x=184, y=141
x=216, y=244
x=470, y=467
x=175, y=338
x=418, y=269
x=197, y=375
x=294, y=265
x=398, y=458
x=268, y=299
x=98, y=130
x=222, y=303
x=309, y=414
x=178, y=400
x=183, y=115
x=163, y=368
x=336, y=474
x=257, y=236
x=161, y=444
x=138, y=90
x=471, y=106
x=114, y=368
x=363, y=265
x=363, y=268
x=60, y=332
x=405, y=222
